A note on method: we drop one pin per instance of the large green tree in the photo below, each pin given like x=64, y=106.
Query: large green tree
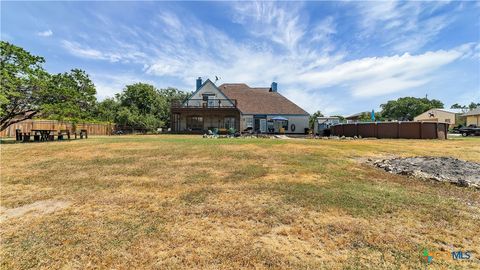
x=107, y=109
x=23, y=82
x=140, y=107
x=170, y=95
x=27, y=90
x=406, y=108
x=70, y=95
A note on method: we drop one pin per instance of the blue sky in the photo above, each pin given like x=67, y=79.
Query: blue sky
x=337, y=57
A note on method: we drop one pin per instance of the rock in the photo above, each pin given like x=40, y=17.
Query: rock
x=443, y=169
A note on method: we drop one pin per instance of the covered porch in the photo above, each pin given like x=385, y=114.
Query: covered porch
x=201, y=120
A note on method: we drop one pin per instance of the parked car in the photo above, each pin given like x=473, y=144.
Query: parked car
x=470, y=130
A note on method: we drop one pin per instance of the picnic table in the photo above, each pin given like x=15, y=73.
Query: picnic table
x=43, y=134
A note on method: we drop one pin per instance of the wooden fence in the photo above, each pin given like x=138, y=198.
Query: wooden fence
x=28, y=125
x=393, y=130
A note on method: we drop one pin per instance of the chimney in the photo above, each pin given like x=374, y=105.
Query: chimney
x=199, y=83
x=273, y=88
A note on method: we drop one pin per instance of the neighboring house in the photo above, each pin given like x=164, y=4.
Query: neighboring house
x=323, y=123
x=354, y=118
x=449, y=116
x=473, y=117
x=238, y=106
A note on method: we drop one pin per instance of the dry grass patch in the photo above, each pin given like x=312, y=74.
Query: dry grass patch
x=177, y=202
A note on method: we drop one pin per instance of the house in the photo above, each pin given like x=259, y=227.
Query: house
x=324, y=123
x=238, y=106
x=354, y=118
x=449, y=116
x=473, y=117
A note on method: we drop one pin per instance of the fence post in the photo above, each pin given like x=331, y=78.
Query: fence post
x=398, y=129
x=421, y=130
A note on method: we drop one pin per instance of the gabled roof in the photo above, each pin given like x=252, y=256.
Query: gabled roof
x=447, y=110
x=203, y=84
x=472, y=112
x=256, y=100
x=358, y=115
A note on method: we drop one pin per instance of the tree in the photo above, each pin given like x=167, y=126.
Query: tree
x=470, y=106
x=170, y=94
x=406, y=108
x=473, y=105
x=458, y=106
x=365, y=117
x=69, y=96
x=143, y=106
x=140, y=107
x=23, y=81
x=106, y=110
x=313, y=118
x=27, y=90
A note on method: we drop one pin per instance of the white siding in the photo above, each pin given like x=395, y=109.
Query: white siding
x=208, y=88
x=300, y=122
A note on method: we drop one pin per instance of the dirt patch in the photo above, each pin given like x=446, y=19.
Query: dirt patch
x=444, y=169
x=36, y=208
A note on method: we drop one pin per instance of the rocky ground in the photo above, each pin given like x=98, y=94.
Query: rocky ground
x=444, y=169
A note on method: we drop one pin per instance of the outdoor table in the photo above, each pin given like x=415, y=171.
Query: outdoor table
x=44, y=134
x=26, y=136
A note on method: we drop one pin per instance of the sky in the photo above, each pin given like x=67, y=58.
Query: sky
x=339, y=57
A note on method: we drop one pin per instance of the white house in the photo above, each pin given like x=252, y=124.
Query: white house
x=239, y=106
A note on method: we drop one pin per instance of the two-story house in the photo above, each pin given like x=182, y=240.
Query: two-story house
x=239, y=106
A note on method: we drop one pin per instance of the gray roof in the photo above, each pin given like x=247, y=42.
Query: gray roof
x=357, y=115
x=472, y=112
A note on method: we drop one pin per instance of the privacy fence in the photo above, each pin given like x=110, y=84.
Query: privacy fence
x=29, y=125
x=396, y=130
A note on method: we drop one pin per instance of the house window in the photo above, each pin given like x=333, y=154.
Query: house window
x=210, y=99
x=249, y=122
x=229, y=122
x=195, y=122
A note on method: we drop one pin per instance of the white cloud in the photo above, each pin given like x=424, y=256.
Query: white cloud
x=46, y=33
x=122, y=53
x=377, y=76
x=279, y=22
x=403, y=26
x=108, y=85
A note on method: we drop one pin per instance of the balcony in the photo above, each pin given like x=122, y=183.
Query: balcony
x=204, y=104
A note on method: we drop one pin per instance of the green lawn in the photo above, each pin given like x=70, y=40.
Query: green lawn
x=176, y=202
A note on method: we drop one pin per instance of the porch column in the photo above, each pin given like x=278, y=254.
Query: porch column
x=237, y=122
